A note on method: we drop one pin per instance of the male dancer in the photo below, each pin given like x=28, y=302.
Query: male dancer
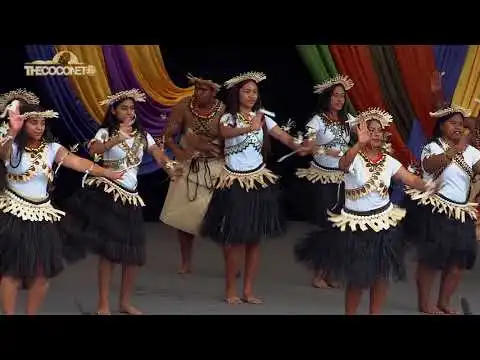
x=196, y=120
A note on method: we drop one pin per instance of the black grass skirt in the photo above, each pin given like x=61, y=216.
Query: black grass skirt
x=355, y=258
x=413, y=224
x=115, y=231
x=441, y=241
x=29, y=249
x=312, y=200
x=236, y=216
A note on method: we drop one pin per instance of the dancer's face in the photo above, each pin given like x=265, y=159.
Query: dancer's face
x=377, y=134
x=204, y=94
x=124, y=111
x=248, y=94
x=338, y=98
x=35, y=127
x=452, y=128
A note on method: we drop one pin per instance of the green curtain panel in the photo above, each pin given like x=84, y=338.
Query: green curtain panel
x=394, y=93
x=320, y=63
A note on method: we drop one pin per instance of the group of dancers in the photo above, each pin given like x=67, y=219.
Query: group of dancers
x=221, y=189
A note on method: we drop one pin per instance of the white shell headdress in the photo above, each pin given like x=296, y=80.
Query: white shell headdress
x=378, y=114
x=452, y=109
x=22, y=94
x=251, y=75
x=134, y=94
x=343, y=80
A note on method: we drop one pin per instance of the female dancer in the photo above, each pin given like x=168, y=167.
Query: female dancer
x=367, y=247
x=32, y=238
x=245, y=207
x=472, y=126
x=320, y=186
x=112, y=210
x=23, y=96
x=446, y=238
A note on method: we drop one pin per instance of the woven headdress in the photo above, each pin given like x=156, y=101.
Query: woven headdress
x=251, y=75
x=13, y=109
x=18, y=94
x=47, y=114
x=343, y=80
x=383, y=117
x=134, y=94
x=196, y=80
x=452, y=109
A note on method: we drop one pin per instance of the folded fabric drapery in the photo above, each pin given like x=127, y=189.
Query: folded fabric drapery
x=72, y=112
x=90, y=89
x=321, y=65
x=149, y=70
x=468, y=88
x=450, y=59
x=416, y=64
x=356, y=61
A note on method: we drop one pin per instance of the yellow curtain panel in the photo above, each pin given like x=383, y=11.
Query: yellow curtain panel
x=90, y=89
x=468, y=87
x=149, y=68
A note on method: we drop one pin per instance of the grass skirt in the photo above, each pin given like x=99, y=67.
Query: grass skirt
x=115, y=228
x=357, y=258
x=35, y=238
x=441, y=240
x=315, y=191
x=245, y=208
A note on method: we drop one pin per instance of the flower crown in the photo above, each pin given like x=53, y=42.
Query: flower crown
x=19, y=94
x=380, y=115
x=453, y=109
x=194, y=80
x=134, y=94
x=343, y=80
x=251, y=75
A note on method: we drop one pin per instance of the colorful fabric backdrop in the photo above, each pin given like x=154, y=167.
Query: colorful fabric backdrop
x=393, y=77
x=118, y=67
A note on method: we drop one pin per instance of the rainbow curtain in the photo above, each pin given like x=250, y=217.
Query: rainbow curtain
x=397, y=79
x=393, y=77
x=118, y=67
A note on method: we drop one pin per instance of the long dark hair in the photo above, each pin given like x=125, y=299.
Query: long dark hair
x=111, y=123
x=22, y=137
x=323, y=105
x=437, y=129
x=232, y=107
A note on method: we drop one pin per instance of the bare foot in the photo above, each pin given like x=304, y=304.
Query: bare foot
x=320, y=283
x=235, y=300
x=185, y=269
x=430, y=310
x=447, y=309
x=129, y=310
x=252, y=300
